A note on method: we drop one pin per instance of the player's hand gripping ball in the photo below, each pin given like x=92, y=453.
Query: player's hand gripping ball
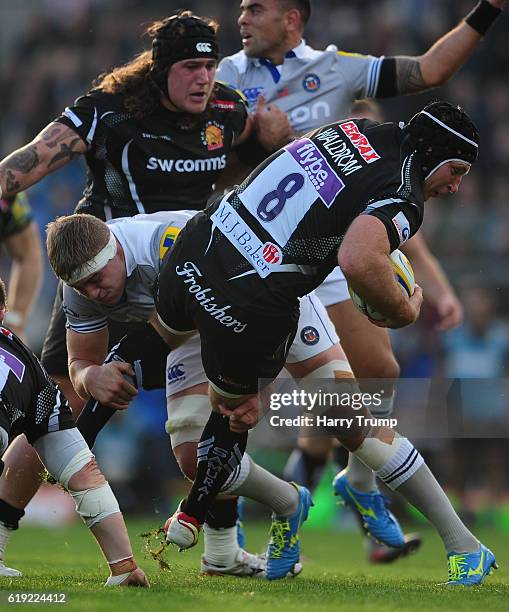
x=405, y=278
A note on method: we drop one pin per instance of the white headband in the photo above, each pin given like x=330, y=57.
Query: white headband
x=95, y=264
x=446, y=161
x=444, y=125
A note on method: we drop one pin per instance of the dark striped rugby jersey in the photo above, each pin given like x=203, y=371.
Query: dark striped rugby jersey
x=27, y=395
x=276, y=236
x=160, y=162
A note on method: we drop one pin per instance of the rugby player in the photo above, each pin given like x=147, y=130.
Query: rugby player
x=155, y=133
x=254, y=255
x=31, y=404
x=314, y=87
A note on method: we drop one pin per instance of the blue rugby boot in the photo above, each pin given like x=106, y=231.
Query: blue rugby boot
x=470, y=569
x=284, y=547
x=371, y=507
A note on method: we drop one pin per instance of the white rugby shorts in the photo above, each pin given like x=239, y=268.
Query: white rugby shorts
x=334, y=288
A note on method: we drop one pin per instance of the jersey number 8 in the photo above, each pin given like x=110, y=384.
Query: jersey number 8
x=274, y=202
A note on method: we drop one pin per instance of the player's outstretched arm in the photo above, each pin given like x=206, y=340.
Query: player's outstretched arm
x=54, y=147
x=448, y=53
x=364, y=259
x=26, y=274
x=434, y=282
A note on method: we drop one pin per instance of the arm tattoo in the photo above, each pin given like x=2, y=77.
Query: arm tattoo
x=54, y=137
x=50, y=135
x=409, y=76
x=24, y=160
x=66, y=152
x=12, y=185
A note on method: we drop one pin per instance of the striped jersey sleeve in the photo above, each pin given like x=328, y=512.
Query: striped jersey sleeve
x=362, y=73
x=85, y=114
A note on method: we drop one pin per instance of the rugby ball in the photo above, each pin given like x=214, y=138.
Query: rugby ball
x=404, y=276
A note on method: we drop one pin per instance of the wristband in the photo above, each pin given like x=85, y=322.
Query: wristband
x=482, y=17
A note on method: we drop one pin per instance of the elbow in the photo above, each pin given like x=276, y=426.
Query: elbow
x=437, y=80
x=350, y=264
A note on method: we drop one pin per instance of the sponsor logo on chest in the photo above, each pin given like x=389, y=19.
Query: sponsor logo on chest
x=326, y=182
x=183, y=166
x=316, y=111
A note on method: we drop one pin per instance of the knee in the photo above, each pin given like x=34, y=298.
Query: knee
x=86, y=484
x=390, y=366
x=88, y=477
x=383, y=366
x=186, y=458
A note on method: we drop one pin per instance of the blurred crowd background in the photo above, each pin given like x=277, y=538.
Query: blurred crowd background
x=51, y=51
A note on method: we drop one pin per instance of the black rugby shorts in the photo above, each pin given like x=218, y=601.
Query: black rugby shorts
x=238, y=347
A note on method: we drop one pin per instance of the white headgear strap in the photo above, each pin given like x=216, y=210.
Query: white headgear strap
x=446, y=161
x=95, y=264
x=446, y=127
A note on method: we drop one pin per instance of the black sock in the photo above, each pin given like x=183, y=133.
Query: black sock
x=9, y=515
x=146, y=351
x=304, y=469
x=223, y=513
x=219, y=454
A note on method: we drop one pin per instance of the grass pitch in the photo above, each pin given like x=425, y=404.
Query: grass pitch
x=336, y=576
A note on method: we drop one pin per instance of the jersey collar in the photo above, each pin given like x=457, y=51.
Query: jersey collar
x=275, y=71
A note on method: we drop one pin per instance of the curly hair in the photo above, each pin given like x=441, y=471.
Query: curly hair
x=134, y=81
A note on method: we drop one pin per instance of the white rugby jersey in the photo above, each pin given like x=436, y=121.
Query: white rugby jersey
x=145, y=240
x=313, y=87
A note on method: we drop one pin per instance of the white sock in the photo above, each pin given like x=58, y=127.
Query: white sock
x=5, y=536
x=423, y=491
x=264, y=487
x=221, y=545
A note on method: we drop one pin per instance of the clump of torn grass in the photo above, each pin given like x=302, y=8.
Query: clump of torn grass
x=155, y=546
